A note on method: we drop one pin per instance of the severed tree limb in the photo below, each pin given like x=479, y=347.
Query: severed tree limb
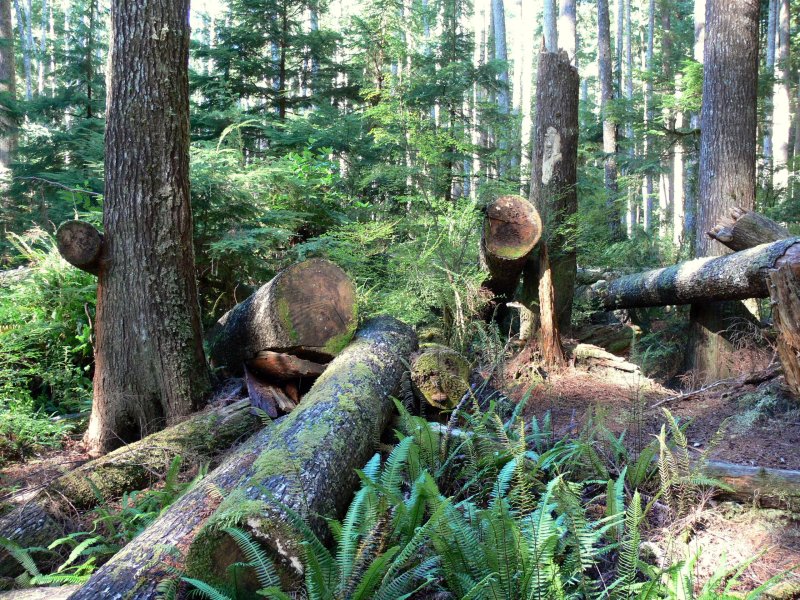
x=745, y=229
x=81, y=245
x=47, y=516
x=307, y=460
x=736, y=276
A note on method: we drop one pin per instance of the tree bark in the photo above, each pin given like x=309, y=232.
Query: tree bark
x=727, y=159
x=744, y=229
x=81, y=245
x=50, y=513
x=757, y=486
x=307, y=460
x=609, y=126
x=150, y=366
x=501, y=54
x=784, y=290
x=308, y=309
x=772, y=21
x=736, y=276
x=8, y=90
x=648, y=116
x=511, y=229
x=554, y=175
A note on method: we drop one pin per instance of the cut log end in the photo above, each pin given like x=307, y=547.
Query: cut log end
x=743, y=229
x=317, y=304
x=512, y=228
x=80, y=244
x=441, y=376
x=307, y=310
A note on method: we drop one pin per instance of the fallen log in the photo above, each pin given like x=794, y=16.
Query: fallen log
x=41, y=593
x=736, y=276
x=511, y=229
x=308, y=310
x=441, y=376
x=745, y=229
x=594, y=355
x=277, y=365
x=784, y=291
x=759, y=486
x=267, y=397
x=81, y=245
x=49, y=514
x=306, y=459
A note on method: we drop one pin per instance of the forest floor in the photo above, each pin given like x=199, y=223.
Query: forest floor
x=762, y=427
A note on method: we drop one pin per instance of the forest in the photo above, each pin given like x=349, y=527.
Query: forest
x=399, y=299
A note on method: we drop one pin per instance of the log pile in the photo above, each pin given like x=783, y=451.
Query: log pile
x=306, y=460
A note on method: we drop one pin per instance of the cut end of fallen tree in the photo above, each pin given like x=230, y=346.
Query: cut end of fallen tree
x=80, y=244
x=441, y=376
x=744, y=229
x=307, y=310
x=784, y=290
x=511, y=229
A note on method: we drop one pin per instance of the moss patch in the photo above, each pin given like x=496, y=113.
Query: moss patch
x=442, y=376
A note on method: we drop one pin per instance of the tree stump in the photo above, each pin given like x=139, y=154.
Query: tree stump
x=307, y=310
x=784, y=291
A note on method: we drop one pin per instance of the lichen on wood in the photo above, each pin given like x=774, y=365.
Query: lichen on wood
x=441, y=375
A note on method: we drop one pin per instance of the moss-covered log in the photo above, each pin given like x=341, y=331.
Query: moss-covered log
x=307, y=460
x=511, y=229
x=441, y=376
x=49, y=514
x=308, y=310
x=80, y=244
x=736, y=276
x=744, y=229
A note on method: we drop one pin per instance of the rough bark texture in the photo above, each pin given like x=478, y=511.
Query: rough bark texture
x=784, y=291
x=609, y=127
x=8, y=88
x=549, y=336
x=80, y=244
x=308, y=309
x=727, y=159
x=744, y=229
x=199, y=439
x=307, y=460
x=150, y=367
x=735, y=276
x=441, y=376
x=45, y=593
x=554, y=173
x=511, y=229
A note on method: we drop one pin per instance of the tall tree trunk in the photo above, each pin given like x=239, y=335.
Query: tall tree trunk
x=678, y=195
x=727, y=159
x=501, y=54
x=667, y=181
x=772, y=21
x=26, y=50
x=549, y=26
x=692, y=172
x=150, y=366
x=781, y=103
x=568, y=29
x=648, y=115
x=630, y=216
x=43, y=47
x=609, y=127
x=8, y=90
x=620, y=47
x=553, y=188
